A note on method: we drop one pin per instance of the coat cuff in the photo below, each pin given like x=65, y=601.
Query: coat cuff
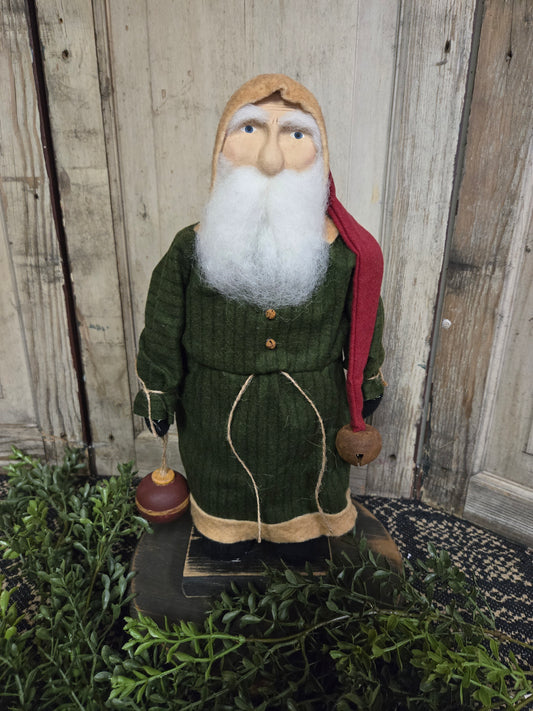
x=374, y=387
x=162, y=405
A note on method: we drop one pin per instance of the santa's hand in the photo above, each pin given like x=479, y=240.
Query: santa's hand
x=160, y=427
x=358, y=448
x=370, y=406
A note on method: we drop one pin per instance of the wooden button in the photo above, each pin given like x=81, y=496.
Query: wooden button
x=271, y=343
x=270, y=314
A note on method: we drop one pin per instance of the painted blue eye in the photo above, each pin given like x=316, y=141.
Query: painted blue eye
x=248, y=128
x=297, y=134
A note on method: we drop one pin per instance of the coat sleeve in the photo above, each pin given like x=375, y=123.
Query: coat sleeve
x=373, y=383
x=161, y=360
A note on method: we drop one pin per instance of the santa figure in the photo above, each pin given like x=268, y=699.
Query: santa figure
x=251, y=319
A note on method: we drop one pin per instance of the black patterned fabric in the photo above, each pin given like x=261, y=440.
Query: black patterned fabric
x=25, y=597
x=503, y=570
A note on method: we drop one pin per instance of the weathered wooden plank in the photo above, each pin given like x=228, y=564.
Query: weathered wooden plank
x=504, y=433
x=42, y=376
x=70, y=65
x=27, y=438
x=103, y=43
x=136, y=183
x=196, y=59
x=529, y=446
x=161, y=65
x=370, y=113
x=496, y=179
x=16, y=399
x=502, y=506
x=432, y=67
x=358, y=481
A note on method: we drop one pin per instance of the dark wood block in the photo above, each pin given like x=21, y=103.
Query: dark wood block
x=203, y=576
x=175, y=579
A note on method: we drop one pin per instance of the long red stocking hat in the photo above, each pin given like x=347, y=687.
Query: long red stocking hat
x=368, y=274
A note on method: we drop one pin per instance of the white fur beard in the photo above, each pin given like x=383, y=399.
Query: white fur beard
x=261, y=239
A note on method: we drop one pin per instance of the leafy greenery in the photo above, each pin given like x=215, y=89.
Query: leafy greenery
x=67, y=536
x=362, y=636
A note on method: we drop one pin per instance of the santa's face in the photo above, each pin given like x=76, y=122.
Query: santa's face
x=272, y=136
x=262, y=235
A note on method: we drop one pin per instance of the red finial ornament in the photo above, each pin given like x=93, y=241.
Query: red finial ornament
x=162, y=496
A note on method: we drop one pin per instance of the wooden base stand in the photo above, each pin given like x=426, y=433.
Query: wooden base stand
x=175, y=578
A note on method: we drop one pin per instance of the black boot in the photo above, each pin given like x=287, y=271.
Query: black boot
x=226, y=551
x=300, y=553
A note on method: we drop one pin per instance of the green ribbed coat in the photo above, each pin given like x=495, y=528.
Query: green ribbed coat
x=199, y=348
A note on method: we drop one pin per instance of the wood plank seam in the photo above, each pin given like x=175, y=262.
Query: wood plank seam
x=51, y=167
x=421, y=447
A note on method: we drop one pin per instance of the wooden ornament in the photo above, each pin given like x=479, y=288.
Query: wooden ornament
x=358, y=448
x=162, y=496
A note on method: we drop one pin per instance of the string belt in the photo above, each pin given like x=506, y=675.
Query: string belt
x=243, y=389
x=247, y=470
x=241, y=462
x=324, y=450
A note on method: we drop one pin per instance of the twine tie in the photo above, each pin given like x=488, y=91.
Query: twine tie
x=249, y=473
x=163, y=477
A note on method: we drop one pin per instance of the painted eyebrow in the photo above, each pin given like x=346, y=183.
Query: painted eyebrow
x=297, y=120
x=246, y=114
x=300, y=120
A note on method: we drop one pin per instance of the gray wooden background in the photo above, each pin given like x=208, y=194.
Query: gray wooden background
x=107, y=118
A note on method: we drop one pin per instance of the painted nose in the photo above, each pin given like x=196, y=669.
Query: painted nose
x=271, y=160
